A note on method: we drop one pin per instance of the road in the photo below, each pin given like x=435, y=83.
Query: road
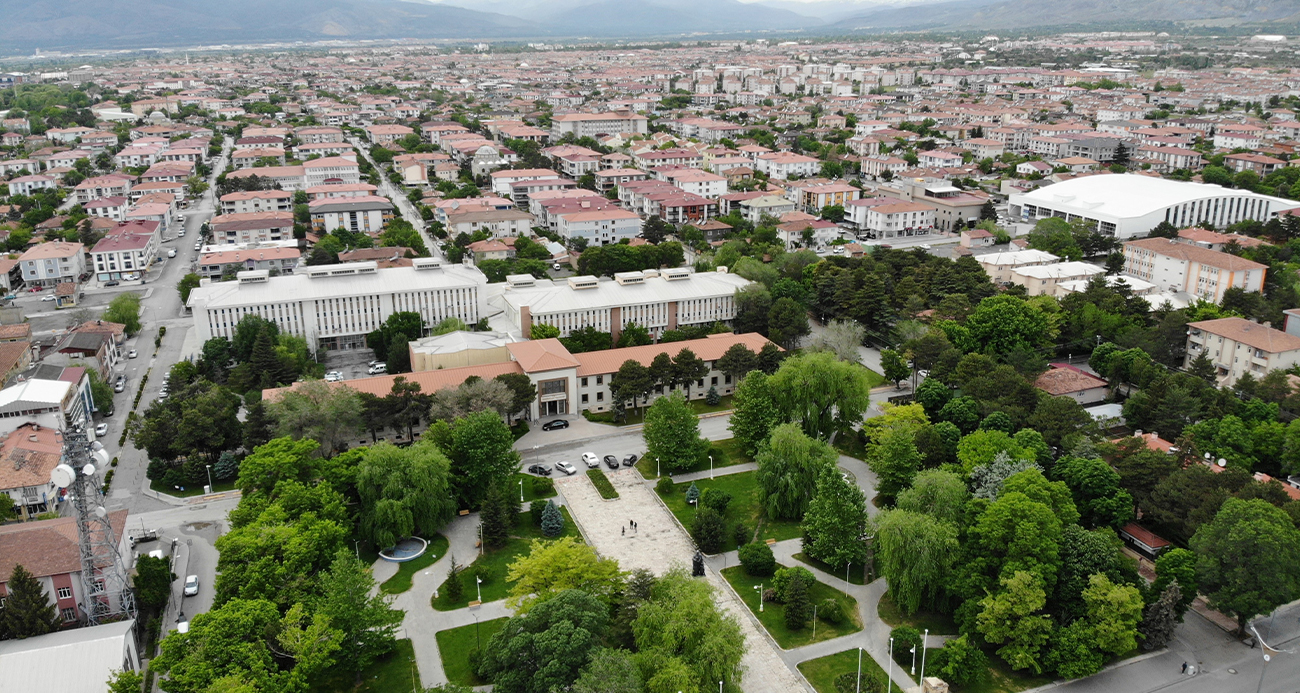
x=398, y=197
x=194, y=528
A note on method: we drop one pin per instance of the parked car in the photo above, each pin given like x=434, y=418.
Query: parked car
x=611, y=461
x=11, y=297
x=101, y=430
x=36, y=289
x=132, y=354
x=377, y=369
x=119, y=386
x=556, y=267
x=590, y=459
x=143, y=536
x=629, y=460
x=47, y=298
x=539, y=469
x=555, y=425
x=333, y=377
x=132, y=277
x=191, y=585
x=112, y=283
x=171, y=253
x=566, y=468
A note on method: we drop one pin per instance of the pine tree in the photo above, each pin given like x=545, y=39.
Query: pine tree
x=552, y=520
x=836, y=521
x=27, y=612
x=494, y=517
x=692, y=494
x=798, y=607
x=265, y=362
x=455, y=588
x=257, y=427
x=1157, y=627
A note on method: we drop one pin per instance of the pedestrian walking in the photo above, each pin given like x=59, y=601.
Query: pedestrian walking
x=624, y=533
x=1184, y=667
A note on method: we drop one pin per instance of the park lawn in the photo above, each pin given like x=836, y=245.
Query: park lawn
x=744, y=507
x=191, y=491
x=496, y=561
x=530, y=494
x=855, y=576
x=392, y=674
x=821, y=672
x=726, y=453
x=454, y=645
x=773, y=615
x=939, y=624
x=1002, y=679
x=401, y=581
x=602, y=484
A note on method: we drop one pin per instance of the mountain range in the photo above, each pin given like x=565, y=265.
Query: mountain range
x=125, y=24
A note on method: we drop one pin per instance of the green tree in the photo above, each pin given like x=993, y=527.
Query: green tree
x=187, y=284
x=1161, y=618
x=938, y=493
x=153, y=581
x=798, y=607
x=1177, y=565
x=1248, y=559
x=684, y=641
x=895, y=366
x=1010, y=618
x=551, y=567
x=688, y=369
x=1112, y=612
x=1097, y=495
x=836, y=521
x=754, y=412
x=672, y=433
x=125, y=682
x=1004, y=324
x=634, y=335
x=329, y=415
x=821, y=393
x=789, y=466
x=495, y=517
x=787, y=323
x=552, y=520
x=521, y=386
x=27, y=612
x=963, y=663
x=482, y=454
x=365, y=616
x=404, y=492
x=125, y=309
x=708, y=530
x=895, y=461
x=543, y=331
x=736, y=362
x=915, y=553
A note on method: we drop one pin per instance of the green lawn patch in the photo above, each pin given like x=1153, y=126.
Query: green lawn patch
x=874, y=378
x=395, y=673
x=726, y=453
x=821, y=672
x=773, y=615
x=850, y=443
x=601, y=482
x=1002, y=679
x=855, y=572
x=495, y=561
x=744, y=507
x=401, y=581
x=190, y=491
x=455, y=644
x=939, y=624
x=531, y=487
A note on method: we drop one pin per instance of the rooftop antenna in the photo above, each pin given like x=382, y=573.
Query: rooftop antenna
x=105, y=590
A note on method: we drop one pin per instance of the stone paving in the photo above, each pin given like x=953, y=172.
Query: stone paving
x=661, y=544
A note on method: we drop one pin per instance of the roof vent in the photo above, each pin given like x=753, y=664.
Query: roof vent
x=583, y=282
x=677, y=273
x=626, y=278
x=521, y=281
x=426, y=263
x=253, y=276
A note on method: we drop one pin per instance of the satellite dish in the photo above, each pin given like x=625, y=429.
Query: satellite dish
x=101, y=512
x=1223, y=462
x=96, y=445
x=62, y=476
x=88, y=470
x=101, y=455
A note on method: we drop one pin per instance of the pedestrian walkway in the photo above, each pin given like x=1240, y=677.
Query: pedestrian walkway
x=660, y=544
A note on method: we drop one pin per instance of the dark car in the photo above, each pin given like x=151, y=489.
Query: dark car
x=629, y=460
x=539, y=469
x=555, y=425
x=611, y=461
x=111, y=283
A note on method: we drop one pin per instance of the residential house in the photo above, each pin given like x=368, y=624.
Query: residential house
x=50, y=263
x=1064, y=380
x=1237, y=346
x=1182, y=267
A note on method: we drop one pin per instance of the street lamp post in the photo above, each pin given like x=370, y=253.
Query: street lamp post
x=478, y=585
x=914, y=660
x=924, y=638
x=711, y=467
x=760, y=597
x=657, y=467
x=889, y=676
x=521, y=490
x=859, y=679
x=209, y=475
x=814, y=623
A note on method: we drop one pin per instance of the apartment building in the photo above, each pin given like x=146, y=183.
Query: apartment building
x=48, y=264
x=1183, y=267
x=126, y=250
x=257, y=201
x=1237, y=346
x=897, y=220
x=251, y=227
x=999, y=266
x=596, y=124
x=364, y=214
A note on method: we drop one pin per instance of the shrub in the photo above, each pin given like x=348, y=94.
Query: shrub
x=708, y=530
x=741, y=534
x=536, y=509
x=664, y=486
x=692, y=493
x=552, y=520
x=757, y=559
x=962, y=663
x=712, y=398
x=848, y=683
x=905, y=638
x=783, y=577
x=542, y=486
x=717, y=499
x=602, y=484
x=798, y=606
x=481, y=572
x=831, y=611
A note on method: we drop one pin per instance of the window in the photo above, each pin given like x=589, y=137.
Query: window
x=584, y=382
x=65, y=593
x=713, y=380
x=600, y=397
x=584, y=399
x=68, y=614
x=600, y=380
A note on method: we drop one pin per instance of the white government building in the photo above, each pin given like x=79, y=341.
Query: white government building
x=655, y=299
x=1128, y=205
x=336, y=306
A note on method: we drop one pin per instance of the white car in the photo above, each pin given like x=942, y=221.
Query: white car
x=377, y=369
x=101, y=430
x=171, y=253
x=590, y=459
x=556, y=267
x=191, y=585
x=566, y=468
x=132, y=354
x=49, y=297
x=333, y=377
